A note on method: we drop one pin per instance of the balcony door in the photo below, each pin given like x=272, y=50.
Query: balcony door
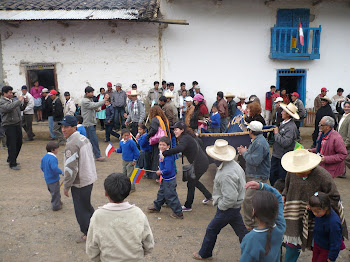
x=290, y=18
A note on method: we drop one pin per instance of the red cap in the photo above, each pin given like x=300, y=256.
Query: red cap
x=53, y=92
x=276, y=95
x=109, y=84
x=324, y=89
x=295, y=94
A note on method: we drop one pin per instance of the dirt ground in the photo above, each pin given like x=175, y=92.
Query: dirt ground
x=30, y=231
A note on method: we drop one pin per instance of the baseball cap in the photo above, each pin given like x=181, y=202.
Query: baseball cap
x=189, y=99
x=279, y=99
x=295, y=94
x=109, y=84
x=180, y=125
x=45, y=90
x=197, y=87
x=255, y=126
x=66, y=93
x=69, y=121
x=275, y=95
x=119, y=84
x=24, y=87
x=324, y=89
x=53, y=92
x=89, y=89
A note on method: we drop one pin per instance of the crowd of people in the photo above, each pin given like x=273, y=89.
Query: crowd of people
x=301, y=203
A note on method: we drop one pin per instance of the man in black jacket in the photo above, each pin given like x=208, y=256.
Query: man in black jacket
x=57, y=113
x=10, y=110
x=47, y=110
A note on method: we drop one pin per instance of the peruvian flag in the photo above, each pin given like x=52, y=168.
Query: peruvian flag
x=301, y=34
x=109, y=150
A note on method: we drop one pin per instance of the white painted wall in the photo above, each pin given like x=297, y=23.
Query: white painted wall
x=226, y=47
x=86, y=53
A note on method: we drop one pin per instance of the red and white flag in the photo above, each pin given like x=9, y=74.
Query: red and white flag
x=109, y=150
x=301, y=34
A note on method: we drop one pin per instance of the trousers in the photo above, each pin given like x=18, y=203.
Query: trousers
x=276, y=171
x=14, y=143
x=27, y=124
x=128, y=168
x=167, y=194
x=91, y=134
x=50, y=119
x=54, y=190
x=58, y=132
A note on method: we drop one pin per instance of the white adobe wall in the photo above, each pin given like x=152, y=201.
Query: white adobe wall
x=86, y=53
x=226, y=47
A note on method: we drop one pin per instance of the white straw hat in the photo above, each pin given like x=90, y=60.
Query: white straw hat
x=189, y=99
x=168, y=94
x=327, y=99
x=242, y=96
x=291, y=109
x=221, y=151
x=299, y=161
x=133, y=93
x=228, y=94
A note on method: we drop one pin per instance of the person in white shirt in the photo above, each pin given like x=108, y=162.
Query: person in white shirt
x=28, y=114
x=69, y=107
x=182, y=105
x=337, y=101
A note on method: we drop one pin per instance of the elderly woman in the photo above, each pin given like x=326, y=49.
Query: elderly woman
x=304, y=178
x=344, y=131
x=331, y=147
x=325, y=110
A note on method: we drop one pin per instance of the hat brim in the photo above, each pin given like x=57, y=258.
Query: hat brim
x=294, y=115
x=326, y=99
x=169, y=96
x=233, y=96
x=290, y=166
x=227, y=157
x=240, y=97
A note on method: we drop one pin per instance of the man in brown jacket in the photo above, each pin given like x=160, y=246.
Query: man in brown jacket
x=169, y=108
x=317, y=102
x=223, y=110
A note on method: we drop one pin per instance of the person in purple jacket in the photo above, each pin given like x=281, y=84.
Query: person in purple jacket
x=49, y=165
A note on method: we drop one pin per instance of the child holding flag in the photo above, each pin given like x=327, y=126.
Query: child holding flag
x=130, y=154
x=49, y=165
x=167, y=190
x=145, y=157
x=118, y=231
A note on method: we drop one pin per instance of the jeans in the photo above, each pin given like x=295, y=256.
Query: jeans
x=230, y=216
x=167, y=194
x=13, y=142
x=91, y=134
x=54, y=190
x=276, y=171
x=82, y=206
x=268, y=117
x=191, y=186
x=27, y=124
x=119, y=111
x=58, y=132
x=223, y=124
x=109, y=131
x=50, y=119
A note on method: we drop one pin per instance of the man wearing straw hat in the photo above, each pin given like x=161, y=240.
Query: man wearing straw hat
x=258, y=164
x=285, y=137
x=231, y=104
x=169, y=108
x=137, y=112
x=228, y=195
x=304, y=178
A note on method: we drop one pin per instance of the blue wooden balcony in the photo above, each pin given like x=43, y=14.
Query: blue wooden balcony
x=285, y=43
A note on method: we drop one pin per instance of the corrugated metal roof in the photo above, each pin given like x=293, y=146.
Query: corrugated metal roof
x=19, y=15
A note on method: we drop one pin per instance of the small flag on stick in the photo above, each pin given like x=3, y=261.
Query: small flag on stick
x=109, y=150
x=301, y=34
x=298, y=146
x=136, y=175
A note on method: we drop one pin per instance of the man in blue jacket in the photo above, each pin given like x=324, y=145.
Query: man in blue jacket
x=258, y=165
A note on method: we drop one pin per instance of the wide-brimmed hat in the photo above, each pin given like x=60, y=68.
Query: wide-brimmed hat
x=221, y=151
x=228, y=94
x=299, y=161
x=279, y=99
x=168, y=94
x=242, y=96
x=327, y=99
x=291, y=109
x=133, y=93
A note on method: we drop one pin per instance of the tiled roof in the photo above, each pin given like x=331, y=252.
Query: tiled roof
x=147, y=9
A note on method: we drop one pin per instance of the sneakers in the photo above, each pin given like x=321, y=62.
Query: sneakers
x=186, y=209
x=180, y=216
x=15, y=167
x=152, y=209
x=206, y=201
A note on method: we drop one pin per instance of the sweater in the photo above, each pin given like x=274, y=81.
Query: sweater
x=81, y=129
x=118, y=98
x=10, y=111
x=285, y=139
x=49, y=165
x=328, y=234
x=253, y=244
x=297, y=192
x=167, y=168
x=257, y=158
x=119, y=232
x=129, y=150
x=229, y=182
x=215, y=120
x=79, y=162
x=29, y=110
x=323, y=111
x=69, y=107
x=88, y=111
x=144, y=143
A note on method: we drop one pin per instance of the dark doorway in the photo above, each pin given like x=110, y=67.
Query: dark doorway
x=289, y=83
x=45, y=74
x=293, y=80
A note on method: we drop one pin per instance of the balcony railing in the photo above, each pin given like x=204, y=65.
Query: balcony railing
x=285, y=43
